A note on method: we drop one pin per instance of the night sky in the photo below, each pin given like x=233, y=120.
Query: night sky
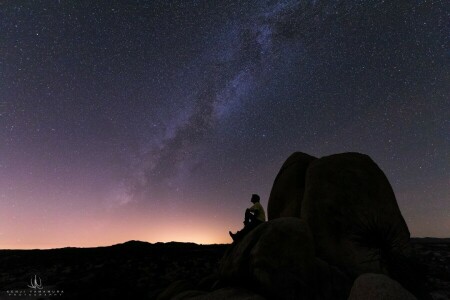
x=157, y=120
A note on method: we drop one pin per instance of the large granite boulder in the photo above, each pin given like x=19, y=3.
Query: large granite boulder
x=378, y=287
x=277, y=259
x=287, y=191
x=353, y=215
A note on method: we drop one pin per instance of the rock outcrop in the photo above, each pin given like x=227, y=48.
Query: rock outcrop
x=330, y=220
x=277, y=258
x=378, y=287
x=288, y=188
x=353, y=215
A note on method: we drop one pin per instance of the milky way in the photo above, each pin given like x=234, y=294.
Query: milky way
x=156, y=120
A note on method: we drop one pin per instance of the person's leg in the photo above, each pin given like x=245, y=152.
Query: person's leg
x=243, y=232
x=253, y=219
x=248, y=217
x=250, y=222
x=256, y=222
x=247, y=228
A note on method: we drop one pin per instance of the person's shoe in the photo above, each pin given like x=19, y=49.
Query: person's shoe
x=233, y=235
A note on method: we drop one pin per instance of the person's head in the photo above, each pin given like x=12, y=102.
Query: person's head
x=255, y=198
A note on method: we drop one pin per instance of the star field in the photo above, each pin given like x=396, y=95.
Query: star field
x=156, y=120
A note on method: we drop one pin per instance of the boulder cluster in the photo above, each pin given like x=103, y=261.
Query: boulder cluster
x=334, y=231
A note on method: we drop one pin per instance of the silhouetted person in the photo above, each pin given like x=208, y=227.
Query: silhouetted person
x=254, y=216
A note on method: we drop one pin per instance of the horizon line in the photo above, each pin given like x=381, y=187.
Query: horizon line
x=169, y=242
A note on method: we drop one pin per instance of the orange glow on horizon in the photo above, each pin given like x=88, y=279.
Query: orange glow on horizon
x=36, y=232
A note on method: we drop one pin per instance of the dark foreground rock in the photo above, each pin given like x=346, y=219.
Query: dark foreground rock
x=277, y=259
x=138, y=270
x=378, y=287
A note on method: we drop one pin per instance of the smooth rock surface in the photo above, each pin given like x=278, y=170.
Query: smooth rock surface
x=288, y=188
x=277, y=259
x=353, y=215
x=378, y=287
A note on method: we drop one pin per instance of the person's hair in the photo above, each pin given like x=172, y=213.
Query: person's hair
x=255, y=198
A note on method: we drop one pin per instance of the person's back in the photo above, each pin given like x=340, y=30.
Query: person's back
x=258, y=210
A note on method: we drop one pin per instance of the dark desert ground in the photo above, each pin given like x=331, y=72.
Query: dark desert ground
x=140, y=270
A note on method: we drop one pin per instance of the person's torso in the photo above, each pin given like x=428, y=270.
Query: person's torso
x=259, y=212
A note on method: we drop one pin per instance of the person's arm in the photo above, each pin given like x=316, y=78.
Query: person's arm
x=253, y=208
